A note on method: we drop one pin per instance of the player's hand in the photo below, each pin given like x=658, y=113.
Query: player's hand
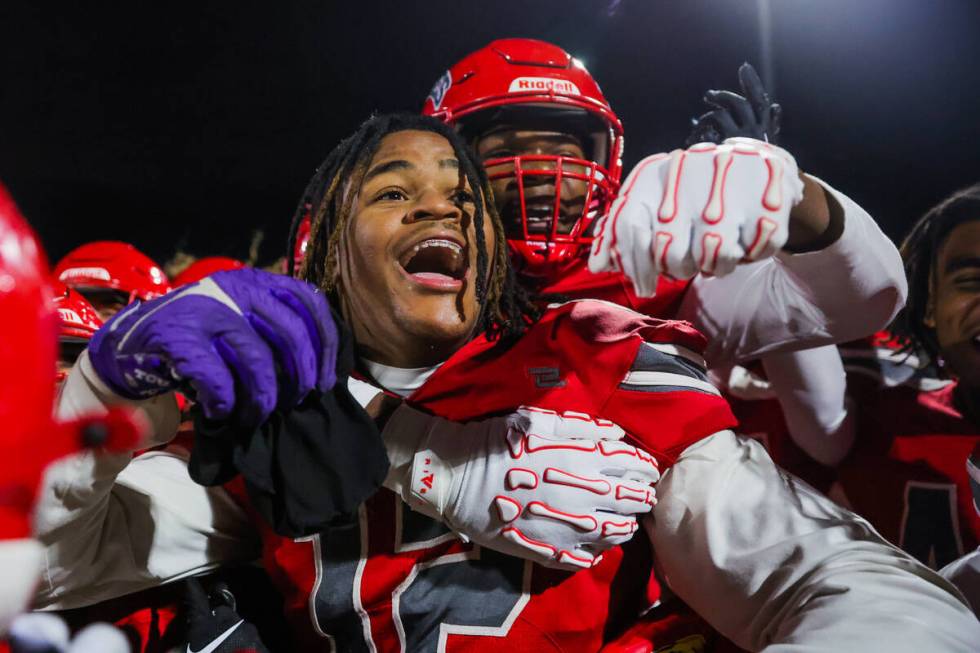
x=705, y=209
x=39, y=632
x=243, y=341
x=752, y=114
x=555, y=489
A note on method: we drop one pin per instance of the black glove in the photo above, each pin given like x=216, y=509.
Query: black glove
x=752, y=114
x=213, y=622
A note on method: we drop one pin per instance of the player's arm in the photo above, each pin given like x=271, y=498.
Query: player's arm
x=514, y=483
x=804, y=300
x=774, y=565
x=247, y=343
x=816, y=223
x=965, y=574
x=811, y=387
x=112, y=524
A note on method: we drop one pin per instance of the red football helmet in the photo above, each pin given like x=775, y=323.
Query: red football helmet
x=77, y=318
x=526, y=82
x=111, y=265
x=28, y=343
x=204, y=267
x=31, y=438
x=78, y=323
x=302, y=242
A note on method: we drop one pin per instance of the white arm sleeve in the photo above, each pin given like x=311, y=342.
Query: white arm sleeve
x=775, y=566
x=812, y=390
x=965, y=574
x=797, y=301
x=112, y=524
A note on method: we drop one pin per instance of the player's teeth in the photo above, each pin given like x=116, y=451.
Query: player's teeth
x=438, y=242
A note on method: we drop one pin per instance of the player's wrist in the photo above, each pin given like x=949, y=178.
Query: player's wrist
x=816, y=222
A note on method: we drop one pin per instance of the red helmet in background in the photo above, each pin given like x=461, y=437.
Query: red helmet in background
x=519, y=82
x=78, y=322
x=112, y=265
x=302, y=242
x=76, y=316
x=204, y=267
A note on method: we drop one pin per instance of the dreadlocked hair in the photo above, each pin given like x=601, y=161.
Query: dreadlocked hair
x=507, y=308
x=920, y=253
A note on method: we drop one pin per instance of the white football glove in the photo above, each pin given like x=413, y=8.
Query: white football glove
x=705, y=209
x=40, y=632
x=555, y=489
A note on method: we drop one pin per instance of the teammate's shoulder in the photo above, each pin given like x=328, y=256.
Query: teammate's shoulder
x=603, y=321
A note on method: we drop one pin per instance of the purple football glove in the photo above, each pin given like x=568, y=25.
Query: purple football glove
x=245, y=341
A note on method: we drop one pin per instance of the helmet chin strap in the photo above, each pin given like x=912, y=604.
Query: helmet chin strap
x=545, y=273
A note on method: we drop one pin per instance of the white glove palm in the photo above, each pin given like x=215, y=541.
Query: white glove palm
x=704, y=209
x=555, y=489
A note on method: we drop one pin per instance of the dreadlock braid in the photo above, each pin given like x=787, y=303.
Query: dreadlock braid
x=920, y=253
x=507, y=309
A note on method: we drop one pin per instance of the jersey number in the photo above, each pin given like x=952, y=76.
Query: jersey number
x=411, y=587
x=930, y=529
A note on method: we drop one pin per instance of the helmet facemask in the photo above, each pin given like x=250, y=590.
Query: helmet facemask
x=548, y=202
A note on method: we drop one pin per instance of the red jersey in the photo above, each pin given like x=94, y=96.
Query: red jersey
x=400, y=581
x=907, y=476
x=578, y=283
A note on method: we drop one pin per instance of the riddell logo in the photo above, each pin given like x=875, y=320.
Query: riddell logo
x=543, y=84
x=84, y=273
x=68, y=315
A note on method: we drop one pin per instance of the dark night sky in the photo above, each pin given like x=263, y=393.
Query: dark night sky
x=165, y=123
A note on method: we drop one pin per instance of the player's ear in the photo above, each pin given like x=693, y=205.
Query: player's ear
x=928, y=318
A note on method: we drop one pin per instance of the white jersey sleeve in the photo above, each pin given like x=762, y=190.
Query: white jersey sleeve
x=112, y=524
x=775, y=566
x=798, y=301
x=811, y=387
x=965, y=574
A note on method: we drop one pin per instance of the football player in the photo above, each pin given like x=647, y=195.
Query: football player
x=553, y=145
x=407, y=248
x=111, y=275
x=906, y=472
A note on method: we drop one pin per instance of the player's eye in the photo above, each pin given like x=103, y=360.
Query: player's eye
x=967, y=281
x=391, y=195
x=462, y=196
x=499, y=153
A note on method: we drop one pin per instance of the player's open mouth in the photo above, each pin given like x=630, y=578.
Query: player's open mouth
x=540, y=217
x=436, y=263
